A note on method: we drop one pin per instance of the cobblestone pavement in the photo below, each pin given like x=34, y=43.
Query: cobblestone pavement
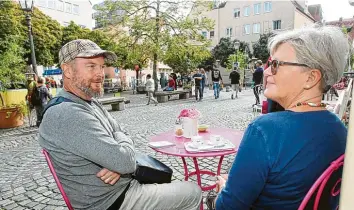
x=25, y=180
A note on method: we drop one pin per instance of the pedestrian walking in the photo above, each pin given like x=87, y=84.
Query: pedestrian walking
x=198, y=81
x=39, y=98
x=235, y=83
x=150, y=87
x=216, y=78
x=257, y=79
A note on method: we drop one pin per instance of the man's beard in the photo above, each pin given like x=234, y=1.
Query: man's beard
x=84, y=86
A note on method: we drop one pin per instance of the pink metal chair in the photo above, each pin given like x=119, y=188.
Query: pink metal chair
x=52, y=170
x=325, y=188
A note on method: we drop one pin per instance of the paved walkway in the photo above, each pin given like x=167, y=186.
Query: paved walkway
x=25, y=180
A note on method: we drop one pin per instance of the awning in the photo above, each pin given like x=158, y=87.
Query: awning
x=52, y=72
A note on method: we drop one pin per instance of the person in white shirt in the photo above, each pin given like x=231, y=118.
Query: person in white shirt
x=150, y=87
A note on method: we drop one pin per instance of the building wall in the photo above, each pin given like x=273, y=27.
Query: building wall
x=224, y=18
x=301, y=20
x=285, y=11
x=81, y=15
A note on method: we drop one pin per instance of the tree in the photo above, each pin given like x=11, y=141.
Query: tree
x=260, y=48
x=240, y=57
x=226, y=47
x=154, y=23
x=12, y=65
x=183, y=57
x=46, y=32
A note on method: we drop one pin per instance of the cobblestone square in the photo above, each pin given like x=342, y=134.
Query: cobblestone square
x=26, y=182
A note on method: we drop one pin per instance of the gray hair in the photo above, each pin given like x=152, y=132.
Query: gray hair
x=325, y=48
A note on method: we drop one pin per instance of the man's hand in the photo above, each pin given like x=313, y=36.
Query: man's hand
x=109, y=177
x=220, y=183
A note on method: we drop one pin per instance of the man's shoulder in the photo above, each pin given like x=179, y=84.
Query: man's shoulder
x=66, y=110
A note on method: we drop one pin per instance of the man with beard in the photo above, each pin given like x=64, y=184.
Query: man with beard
x=90, y=151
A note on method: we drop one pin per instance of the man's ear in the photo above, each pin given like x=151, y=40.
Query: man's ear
x=314, y=77
x=67, y=70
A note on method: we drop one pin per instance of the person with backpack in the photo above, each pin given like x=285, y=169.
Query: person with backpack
x=216, y=78
x=235, y=82
x=39, y=98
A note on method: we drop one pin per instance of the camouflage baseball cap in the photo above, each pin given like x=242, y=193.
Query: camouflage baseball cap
x=83, y=48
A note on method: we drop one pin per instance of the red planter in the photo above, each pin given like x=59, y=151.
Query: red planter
x=10, y=117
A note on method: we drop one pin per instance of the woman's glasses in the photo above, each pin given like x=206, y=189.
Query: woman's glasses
x=274, y=65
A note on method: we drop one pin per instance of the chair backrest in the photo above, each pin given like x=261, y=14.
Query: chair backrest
x=344, y=103
x=326, y=187
x=52, y=170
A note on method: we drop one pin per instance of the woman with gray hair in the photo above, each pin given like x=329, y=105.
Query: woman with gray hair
x=283, y=153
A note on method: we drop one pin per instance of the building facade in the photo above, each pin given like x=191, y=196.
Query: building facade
x=246, y=20
x=65, y=11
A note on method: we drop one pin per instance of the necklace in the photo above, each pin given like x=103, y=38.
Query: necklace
x=309, y=104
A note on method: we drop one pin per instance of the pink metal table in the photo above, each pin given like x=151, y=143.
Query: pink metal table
x=178, y=150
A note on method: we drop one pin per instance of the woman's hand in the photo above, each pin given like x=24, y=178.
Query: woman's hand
x=109, y=177
x=220, y=183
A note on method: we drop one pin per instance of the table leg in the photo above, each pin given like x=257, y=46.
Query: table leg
x=219, y=166
x=197, y=171
x=186, y=172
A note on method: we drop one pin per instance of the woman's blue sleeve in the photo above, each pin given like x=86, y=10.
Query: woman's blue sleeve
x=248, y=174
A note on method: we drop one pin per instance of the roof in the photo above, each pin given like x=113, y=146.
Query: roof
x=316, y=11
x=299, y=8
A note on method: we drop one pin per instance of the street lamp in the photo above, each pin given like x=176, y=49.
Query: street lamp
x=27, y=7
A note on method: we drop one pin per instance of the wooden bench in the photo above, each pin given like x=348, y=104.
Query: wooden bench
x=117, y=103
x=163, y=96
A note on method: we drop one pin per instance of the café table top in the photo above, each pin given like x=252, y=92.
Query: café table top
x=234, y=136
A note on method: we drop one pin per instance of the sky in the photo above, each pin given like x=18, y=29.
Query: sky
x=332, y=9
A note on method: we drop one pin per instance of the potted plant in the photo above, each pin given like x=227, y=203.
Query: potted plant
x=11, y=72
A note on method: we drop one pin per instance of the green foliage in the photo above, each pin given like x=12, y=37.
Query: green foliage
x=46, y=32
x=260, y=48
x=72, y=32
x=183, y=57
x=241, y=58
x=11, y=62
x=12, y=65
x=226, y=47
x=47, y=35
x=157, y=29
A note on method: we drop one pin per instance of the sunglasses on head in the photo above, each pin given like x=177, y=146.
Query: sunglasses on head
x=274, y=65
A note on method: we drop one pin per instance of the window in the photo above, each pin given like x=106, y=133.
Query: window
x=246, y=11
x=237, y=13
x=41, y=3
x=267, y=6
x=276, y=24
x=60, y=5
x=75, y=9
x=195, y=21
x=229, y=32
x=212, y=34
x=68, y=7
x=256, y=28
x=205, y=34
x=247, y=29
x=51, y=4
x=257, y=9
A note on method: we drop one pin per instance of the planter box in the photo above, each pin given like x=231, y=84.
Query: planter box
x=10, y=117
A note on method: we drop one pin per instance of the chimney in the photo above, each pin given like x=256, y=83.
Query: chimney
x=340, y=19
